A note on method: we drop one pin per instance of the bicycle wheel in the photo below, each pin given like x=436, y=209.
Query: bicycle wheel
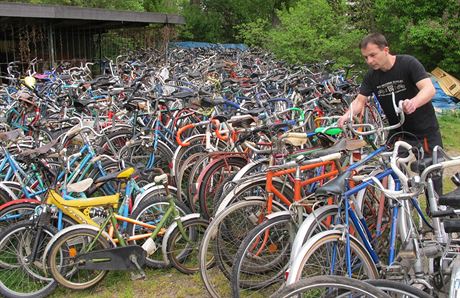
x=151, y=210
x=63, y=254
x=193, y=187
x=222, y=239
x=331, y=287
x=143, y=153
x=16, y=213
x=183, y=174
x=24, y=211
x=182, y=247
x=325, y=254
x=18, y=276
x=215, y=175
x=397, y=289
x=115, y=140
x=262, y=258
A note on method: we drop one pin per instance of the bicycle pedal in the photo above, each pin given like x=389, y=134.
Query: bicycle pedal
x=406, y=254
x=138, y=276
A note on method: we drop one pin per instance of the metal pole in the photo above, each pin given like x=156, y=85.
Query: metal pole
x=51, y=45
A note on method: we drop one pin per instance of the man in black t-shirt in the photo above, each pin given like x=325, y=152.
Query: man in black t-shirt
x=406, y=77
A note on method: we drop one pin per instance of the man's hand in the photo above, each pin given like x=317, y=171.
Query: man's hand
x=342, y=120
x=409, y=106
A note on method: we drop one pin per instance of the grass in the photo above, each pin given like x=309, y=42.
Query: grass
x=450, y=130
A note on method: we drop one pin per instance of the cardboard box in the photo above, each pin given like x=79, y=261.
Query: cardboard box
x=449, y=84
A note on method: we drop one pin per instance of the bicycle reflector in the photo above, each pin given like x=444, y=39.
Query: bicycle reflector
x=30, y=82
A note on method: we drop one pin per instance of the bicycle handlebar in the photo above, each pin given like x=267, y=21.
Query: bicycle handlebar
x=395, y=161
x=398, y=110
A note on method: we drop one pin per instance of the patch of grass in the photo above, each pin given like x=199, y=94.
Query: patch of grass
x=450, y=130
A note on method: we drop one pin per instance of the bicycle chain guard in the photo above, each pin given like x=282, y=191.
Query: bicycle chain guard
x=118, y=258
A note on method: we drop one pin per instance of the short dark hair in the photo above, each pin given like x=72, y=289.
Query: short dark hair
x=375, y=38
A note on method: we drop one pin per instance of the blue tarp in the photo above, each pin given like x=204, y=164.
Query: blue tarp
x=195, y=44
x=443, y=101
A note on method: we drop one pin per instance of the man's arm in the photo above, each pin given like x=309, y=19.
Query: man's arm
x=425, y=94
x=357, y=105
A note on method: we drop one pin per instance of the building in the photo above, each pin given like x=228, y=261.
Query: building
x=54, y=34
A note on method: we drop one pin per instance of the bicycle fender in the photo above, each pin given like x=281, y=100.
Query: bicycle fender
x=150, y=189
x=295, y=267
x=299, y=239
x=277, y=214
x=19, y=201
x=176, y=152
x=8, y=191
x=72, y=228
x=169, y=231
x=248, y=167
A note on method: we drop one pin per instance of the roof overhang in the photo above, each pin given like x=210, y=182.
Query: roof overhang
x=58, y=12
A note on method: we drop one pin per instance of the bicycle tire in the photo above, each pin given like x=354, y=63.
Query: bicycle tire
x=16, y=213
x=331, y=242
x=24, y=279
x=398, y=289
x=193, y=187
x=344, y=287
x=137, y=153
x=183, y=253
x=263, y=257
x=151, y=210
x=216, y=278
x=182, y=177
x=206, y=192
x=27, y=210
x=65, y=250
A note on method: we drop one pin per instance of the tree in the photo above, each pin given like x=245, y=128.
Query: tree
x=427, y=29
x=310, y=31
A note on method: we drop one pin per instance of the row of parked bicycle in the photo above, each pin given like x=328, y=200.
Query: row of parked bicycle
x=222, y=162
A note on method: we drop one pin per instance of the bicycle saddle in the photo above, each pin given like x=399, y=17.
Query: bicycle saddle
x=420, y=165
x=208, y=101
x=80, y=186
x=334, y=187
x=43, y=150
x=83, y=102
x=11, y=135
x=183, y=94
x=451, y=225
x=451, y=199
x=123, y=174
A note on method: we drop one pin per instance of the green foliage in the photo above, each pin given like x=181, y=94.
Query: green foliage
x=427, y=29
x=254, y=34
x=312, y=31
x=201, y=25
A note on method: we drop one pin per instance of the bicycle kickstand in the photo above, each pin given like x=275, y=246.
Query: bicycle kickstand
x=141, y=273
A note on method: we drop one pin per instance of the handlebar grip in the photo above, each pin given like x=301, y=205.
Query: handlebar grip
x=442, y=213
x=180, y=131
x=161, y=179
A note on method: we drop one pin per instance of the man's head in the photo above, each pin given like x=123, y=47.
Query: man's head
x=374, y=48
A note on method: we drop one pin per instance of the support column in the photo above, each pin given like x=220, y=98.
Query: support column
x=51, y=46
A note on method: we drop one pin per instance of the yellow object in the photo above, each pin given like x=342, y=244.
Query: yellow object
x=30, y=82
x=126, y=173
x=449, y=84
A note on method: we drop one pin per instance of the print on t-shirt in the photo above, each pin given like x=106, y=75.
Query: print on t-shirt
x=390, y=87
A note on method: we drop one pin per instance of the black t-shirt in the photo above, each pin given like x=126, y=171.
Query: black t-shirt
x=401, y=79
